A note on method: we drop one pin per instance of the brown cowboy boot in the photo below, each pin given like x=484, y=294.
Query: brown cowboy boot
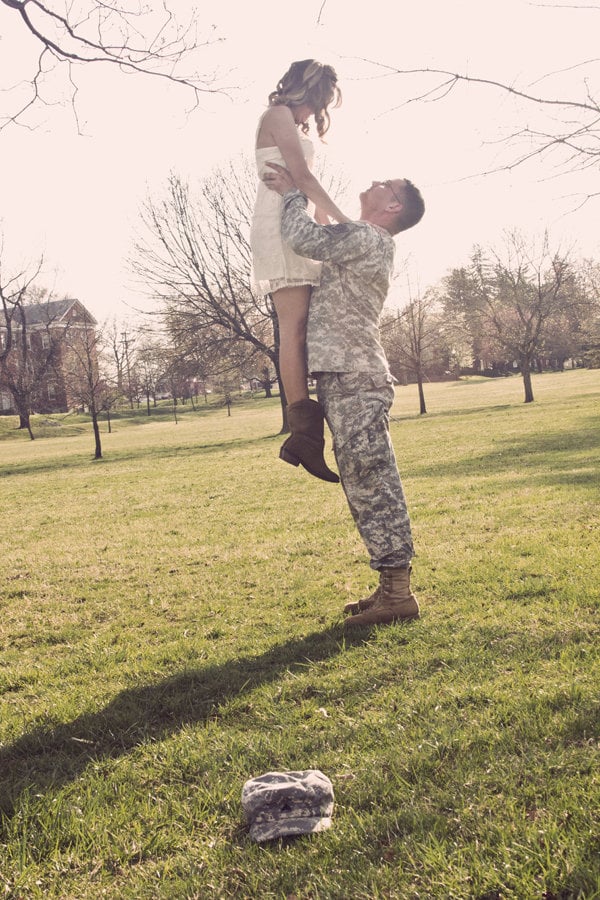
x=306, y=442
x=396, y=602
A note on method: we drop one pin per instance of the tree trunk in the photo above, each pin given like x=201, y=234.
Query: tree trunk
x=25, y=423
x=266, y=382
x=422, y=406
x=98, y=443
x=526, y=373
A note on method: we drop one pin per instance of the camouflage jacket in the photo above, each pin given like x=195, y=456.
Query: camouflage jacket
x=358, y=259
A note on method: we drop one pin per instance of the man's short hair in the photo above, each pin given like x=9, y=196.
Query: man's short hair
x=413, y=208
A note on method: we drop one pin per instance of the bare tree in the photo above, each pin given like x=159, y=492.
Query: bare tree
x=31, y=346
x=201, y=355
x=14, y=288
x=512, y=301
x=412, y=340
x=119, y=344
x=194, y=258
x=149, y=371
x=131, y=36
x=87, y=383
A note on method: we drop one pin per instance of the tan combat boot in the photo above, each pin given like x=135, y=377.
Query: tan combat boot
x=306, y=443
x=360, y=605
x=396, y=602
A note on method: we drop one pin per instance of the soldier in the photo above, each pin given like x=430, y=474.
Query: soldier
x=354, y=384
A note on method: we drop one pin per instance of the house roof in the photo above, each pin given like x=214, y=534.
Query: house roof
x=54, y=311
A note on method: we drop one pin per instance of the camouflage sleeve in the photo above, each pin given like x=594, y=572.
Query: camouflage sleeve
x=337, y=243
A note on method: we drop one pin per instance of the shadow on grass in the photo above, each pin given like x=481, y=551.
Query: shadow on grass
x=552, y=454
x=397, y=416
x=48, y=757
x=143, y=453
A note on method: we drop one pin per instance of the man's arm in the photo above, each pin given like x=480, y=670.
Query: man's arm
x=338, y=243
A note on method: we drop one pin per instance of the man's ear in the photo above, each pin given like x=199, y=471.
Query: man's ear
x=393, y=210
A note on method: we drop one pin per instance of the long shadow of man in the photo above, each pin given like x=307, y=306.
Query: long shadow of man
x=48, y=757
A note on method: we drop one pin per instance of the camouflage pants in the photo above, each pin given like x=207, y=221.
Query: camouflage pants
x=357, y=408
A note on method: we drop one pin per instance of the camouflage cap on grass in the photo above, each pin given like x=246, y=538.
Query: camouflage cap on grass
x=285, y=803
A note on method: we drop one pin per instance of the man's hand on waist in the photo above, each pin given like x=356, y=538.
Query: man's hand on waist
x=279, y=179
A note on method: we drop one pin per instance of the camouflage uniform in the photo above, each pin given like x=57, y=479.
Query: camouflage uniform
x=354, y=385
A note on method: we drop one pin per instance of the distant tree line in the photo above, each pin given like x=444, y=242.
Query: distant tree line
x=522, y=308
x=55, y=357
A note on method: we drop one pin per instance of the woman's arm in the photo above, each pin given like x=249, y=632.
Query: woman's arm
x=321, y=217
x=279, y=129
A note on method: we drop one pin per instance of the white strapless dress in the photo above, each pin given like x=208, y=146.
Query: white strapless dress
x=274, y=263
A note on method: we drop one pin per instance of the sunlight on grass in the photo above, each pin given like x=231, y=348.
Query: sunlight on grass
x=171, y=625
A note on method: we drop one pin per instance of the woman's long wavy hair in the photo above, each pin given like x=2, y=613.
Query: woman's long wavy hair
x=309, y=82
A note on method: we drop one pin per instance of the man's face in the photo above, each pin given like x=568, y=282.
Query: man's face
x=380, y=195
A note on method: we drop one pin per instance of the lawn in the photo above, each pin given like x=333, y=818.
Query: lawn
x=170, y=625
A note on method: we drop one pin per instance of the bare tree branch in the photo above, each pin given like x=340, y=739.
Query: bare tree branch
x=135, y=37
x=13, y=291
x=570, y=130
x=451, y=79
x=567, y=6
x=323, y=4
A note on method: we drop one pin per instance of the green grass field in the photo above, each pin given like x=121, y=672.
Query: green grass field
x=170, y=625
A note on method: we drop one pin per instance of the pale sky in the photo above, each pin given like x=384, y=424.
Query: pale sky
x=76, y=198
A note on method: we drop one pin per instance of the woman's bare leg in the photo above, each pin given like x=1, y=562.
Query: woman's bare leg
x=291, y=306
x=305, y=416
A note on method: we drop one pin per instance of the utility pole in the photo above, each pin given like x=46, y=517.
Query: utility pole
x=125, y=343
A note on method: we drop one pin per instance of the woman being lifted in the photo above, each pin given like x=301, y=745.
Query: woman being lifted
x=306, y=91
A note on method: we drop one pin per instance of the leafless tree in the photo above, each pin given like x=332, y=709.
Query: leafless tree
x=85, y=374
x=194, y=259
x=132, y=36
x=28, y=355
x=412, y=340
x=119, y=344
x=14, y=288
x=150, y=369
